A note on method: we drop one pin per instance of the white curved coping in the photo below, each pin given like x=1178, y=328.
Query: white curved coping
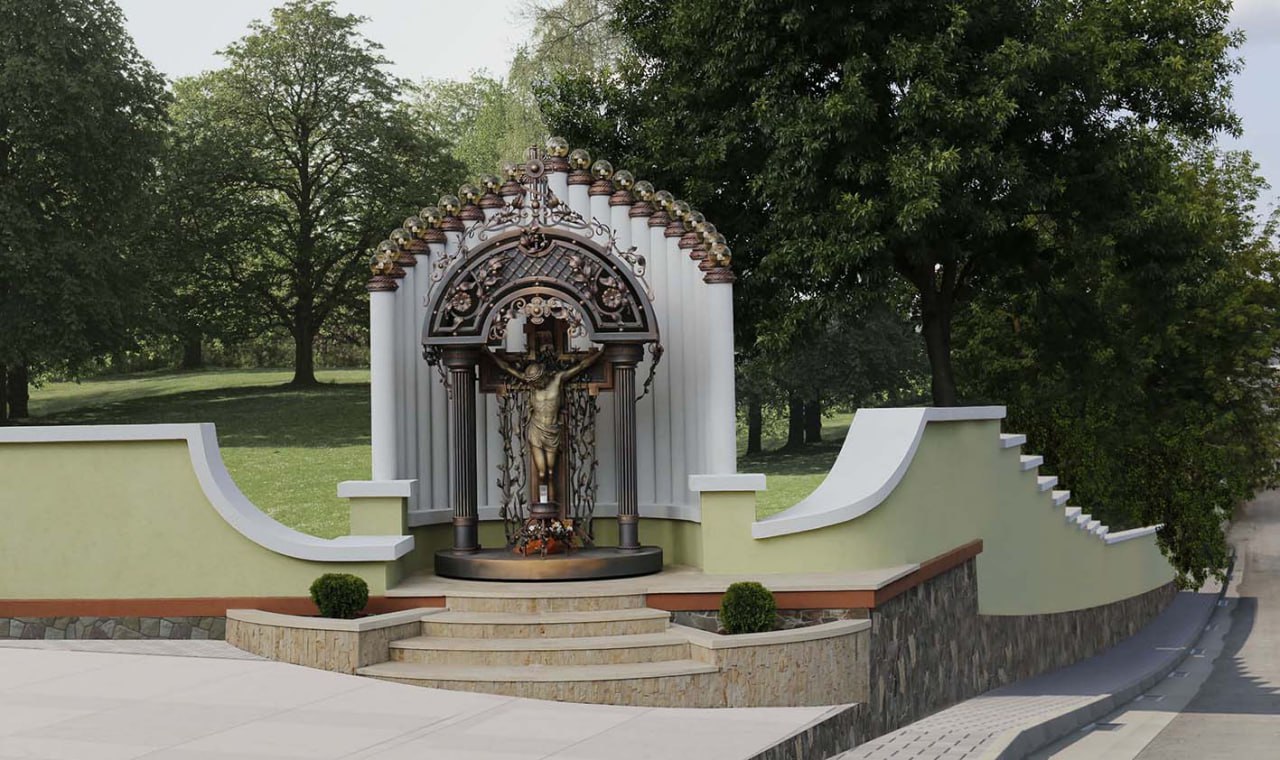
x=876, y=453
x=222, y=492
x=1129, y=535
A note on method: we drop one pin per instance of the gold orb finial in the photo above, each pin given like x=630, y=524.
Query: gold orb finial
x=579, y=159
x=432, y=216
x=602, y=169
x=557, y=146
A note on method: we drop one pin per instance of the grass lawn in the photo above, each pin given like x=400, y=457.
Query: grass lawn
x=287, y=449
x=792, y=475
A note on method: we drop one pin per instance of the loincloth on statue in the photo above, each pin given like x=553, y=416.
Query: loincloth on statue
x=544, y=436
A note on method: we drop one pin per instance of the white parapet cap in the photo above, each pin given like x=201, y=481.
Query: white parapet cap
x=1129, y=535
x=374, y=489
x=742, y=482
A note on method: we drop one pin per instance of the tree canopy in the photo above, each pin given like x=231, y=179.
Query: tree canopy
x=82, y=117
x=923, y=138
x=305, y=142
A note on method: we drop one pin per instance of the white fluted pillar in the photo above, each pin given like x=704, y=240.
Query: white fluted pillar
x=382, y=376
x=720, y=397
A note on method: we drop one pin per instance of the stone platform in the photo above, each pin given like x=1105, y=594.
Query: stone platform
x=593, y=563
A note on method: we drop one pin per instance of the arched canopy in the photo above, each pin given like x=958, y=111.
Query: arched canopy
x=549, y=270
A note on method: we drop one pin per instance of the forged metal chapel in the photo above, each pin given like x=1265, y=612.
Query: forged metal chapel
x=550, y=348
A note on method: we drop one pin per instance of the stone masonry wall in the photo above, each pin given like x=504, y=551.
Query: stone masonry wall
x=930, y=648
x=1015, y=647
x=923, y=651
x=113, y=628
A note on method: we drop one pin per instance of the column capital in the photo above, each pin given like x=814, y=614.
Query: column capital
x=460, y=357
x=719, y=276
x=624, y=354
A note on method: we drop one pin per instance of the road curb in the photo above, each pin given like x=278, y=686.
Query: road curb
x=1020, y=742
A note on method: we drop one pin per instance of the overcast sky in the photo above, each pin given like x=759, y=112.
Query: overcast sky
x=451, y=39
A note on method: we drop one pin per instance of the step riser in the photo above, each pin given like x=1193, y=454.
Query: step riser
x=694, y=690
x=542, y=630
x=548, y=657
x=531, y=605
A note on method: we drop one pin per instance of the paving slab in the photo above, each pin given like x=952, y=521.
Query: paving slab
x=60, y=703
x=1015, y=720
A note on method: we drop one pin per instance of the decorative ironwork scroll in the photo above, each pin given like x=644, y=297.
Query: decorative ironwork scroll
x=581, y=409
x=573, y=272
x=513, y=475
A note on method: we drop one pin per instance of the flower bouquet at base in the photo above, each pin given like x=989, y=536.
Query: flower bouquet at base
x=544, y=537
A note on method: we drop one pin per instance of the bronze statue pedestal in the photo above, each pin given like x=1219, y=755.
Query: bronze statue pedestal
x=592, y=563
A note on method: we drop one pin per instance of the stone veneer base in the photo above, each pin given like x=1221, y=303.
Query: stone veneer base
x=97, y=627
x=342, y=646
x=930, y=648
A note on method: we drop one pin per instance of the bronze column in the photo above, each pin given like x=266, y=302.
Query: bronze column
x=462, y=450
x=625, y=358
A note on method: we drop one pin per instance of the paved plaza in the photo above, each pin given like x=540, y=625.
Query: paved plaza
x=60, y=704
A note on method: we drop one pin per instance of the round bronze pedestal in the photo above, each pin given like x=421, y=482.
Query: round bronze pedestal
x=579, y=565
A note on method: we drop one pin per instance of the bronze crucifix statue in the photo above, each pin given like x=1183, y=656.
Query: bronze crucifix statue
x=546, y=396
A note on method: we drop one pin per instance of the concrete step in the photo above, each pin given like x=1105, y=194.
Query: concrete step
x=1102, y=531
x=1045, y=482
x=1060, y=498
x=515, y=625
x=641, y=683
x=513, y=602
x=1012, y=440
x=1030, y=462
x=580, y=650
x=1092, y=525
x=1083, y=519
x=1072, y=513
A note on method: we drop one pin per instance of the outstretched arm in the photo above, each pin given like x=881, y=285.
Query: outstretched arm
x=587, y=361
x=505, y=366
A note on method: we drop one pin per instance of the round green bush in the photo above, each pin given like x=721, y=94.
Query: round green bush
x=339, y=595
x=747, y=607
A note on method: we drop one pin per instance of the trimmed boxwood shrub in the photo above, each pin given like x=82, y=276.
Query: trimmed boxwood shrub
x=747, y=607
x=339, y=595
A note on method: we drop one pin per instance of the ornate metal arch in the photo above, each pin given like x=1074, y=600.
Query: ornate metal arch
x=532, y=262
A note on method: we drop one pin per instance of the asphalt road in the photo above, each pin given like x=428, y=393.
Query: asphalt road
x=1236, y=713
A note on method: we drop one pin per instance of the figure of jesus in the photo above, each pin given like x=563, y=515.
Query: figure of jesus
x=545, y=398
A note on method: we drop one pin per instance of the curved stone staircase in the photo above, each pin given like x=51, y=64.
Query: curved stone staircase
x=604, y=649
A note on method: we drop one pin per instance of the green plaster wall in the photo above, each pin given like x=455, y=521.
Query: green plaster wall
x=959, y=487
x=128, y=520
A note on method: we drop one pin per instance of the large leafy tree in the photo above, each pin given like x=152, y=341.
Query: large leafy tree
x=81, y=124
x=305, y=142
x=922, y=137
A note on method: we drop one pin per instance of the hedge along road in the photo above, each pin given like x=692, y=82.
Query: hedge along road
x=1236, y=713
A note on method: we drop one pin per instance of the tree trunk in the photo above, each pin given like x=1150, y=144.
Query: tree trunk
x=936, y=327
x=304, y=356
x=193, y=351
x=18, y=392
x=813, y=422
x=755, y=426
x=795, y=424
